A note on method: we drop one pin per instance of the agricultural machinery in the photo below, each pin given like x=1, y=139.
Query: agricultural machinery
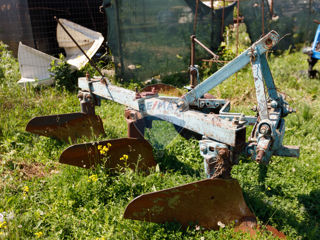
x=313, y=52
x=221, y=135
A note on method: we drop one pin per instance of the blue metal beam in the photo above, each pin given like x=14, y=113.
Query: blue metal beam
x=263, y=45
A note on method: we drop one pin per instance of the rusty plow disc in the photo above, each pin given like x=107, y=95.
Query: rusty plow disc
x=207, y=203
x=112, y=154
x=66, y=126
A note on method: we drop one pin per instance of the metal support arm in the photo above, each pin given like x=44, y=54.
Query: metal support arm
x=261, y=46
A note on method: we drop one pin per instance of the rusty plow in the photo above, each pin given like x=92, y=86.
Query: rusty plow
x=222, y=139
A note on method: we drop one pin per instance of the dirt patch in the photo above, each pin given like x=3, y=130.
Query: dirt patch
x=27, y=171
x=32, y=170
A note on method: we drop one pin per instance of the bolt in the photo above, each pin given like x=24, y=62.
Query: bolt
x=259, y=156
x=222, y=152
x=274, y=104
x=203, y=148
x=235, y=121
x=265, y=129
x=181, y=105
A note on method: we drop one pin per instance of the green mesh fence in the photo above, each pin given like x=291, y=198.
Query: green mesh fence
x=151, y=37
x=293, y=17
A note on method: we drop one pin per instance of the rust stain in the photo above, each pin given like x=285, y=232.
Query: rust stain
x=269, y=43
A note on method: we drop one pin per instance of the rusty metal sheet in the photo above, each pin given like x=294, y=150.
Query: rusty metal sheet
x=66, y=126
x=205, y=203
x=88, y=155
x=249, y=225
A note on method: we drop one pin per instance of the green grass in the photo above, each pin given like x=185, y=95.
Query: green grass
x=62, y=202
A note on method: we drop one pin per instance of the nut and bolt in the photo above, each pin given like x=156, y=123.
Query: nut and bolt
x=265, y=129
x=274, y=104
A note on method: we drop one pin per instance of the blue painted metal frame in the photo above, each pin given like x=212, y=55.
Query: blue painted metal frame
x=167, y=109
x=227, y=128
x=316, y=40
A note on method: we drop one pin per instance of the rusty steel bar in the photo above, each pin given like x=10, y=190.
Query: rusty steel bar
x=262, y=16
x=193, y=74
x=222, y=19
x=316, y=21
x=271, y=7
x=193, y=70
x=237, y=35
x=195, y=18
x=205, y=48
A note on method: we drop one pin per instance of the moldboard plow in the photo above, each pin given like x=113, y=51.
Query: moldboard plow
x=223, y=139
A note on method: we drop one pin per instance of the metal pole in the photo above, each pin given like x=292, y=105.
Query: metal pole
x=195, y=18
x=222, y=20
x=237, y=35
x=205, y=48
x=193, y=73
x=271, y=7
x=119, y=37
x=262, y=15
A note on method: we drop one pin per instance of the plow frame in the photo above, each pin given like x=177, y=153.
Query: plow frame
x=227, y=128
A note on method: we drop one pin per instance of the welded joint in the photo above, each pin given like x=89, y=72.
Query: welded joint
x=217, y=160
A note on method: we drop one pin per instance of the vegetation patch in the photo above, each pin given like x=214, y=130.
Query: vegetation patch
x=41, y=199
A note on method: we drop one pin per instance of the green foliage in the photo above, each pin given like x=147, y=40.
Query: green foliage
x=9, y=67
x=63, y=75
x=64, y=202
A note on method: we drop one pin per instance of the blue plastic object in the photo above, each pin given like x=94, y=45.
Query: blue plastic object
x=316, y=41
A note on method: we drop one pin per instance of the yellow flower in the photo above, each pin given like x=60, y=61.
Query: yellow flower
x=26, y=189
x=269, y=188
x=39, y=234
x=109, y=145
x=103, y=149
x=93, y=178
x=124, y=157
x=1, y=233
x=3, y=224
